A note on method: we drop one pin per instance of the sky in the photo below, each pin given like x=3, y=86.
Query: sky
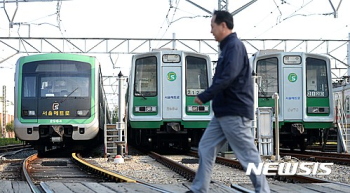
x=264, y=19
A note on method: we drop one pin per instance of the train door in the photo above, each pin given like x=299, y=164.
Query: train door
x=292, y=93
x=171, y=76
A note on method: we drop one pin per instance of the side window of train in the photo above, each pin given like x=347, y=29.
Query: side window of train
x=196, y=75
x=29, y=86
x=316, y=78
x=268, y=70
x=347, y=106
x=146, y=77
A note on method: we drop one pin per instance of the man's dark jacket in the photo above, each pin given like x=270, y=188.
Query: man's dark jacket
x=232, y=89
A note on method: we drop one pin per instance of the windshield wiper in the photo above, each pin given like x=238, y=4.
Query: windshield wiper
x=69, y=94
x=140, y=94
x=72, y=92
x=263, y=92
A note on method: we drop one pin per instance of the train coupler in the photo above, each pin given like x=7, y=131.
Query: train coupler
x=173, y=127
x=59, y=130
x=297, y=128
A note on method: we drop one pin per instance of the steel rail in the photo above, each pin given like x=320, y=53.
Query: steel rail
x=110, y=175
x=25, y=170
x=293, y=178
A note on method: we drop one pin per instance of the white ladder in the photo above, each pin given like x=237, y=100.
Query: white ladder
x=343, y=144
x=115, y=139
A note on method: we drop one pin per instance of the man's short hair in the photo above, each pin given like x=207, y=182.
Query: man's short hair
x=224, y=16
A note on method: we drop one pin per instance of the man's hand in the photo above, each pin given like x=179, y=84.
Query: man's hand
x=198, y=101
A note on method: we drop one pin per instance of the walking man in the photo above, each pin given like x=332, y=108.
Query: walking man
x=232, y=95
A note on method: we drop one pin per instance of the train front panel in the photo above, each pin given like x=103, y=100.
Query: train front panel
x=162, y=88
x=56, y=98
x=303, y=82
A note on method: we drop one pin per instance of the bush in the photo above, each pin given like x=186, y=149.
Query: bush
x=10, y=127
x=8, y=141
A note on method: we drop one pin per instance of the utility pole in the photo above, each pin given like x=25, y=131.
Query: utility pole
x=3, y=131
x=348, y=56
x=223, y=5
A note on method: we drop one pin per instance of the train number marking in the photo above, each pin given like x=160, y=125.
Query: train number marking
x=172, y=97
x=55, y=121
x=293, y=110
x=315, y=93
x=172, y=108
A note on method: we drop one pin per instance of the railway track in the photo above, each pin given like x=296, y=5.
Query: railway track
x=288, y=178
x=338, y=158
x=75, y=174
x=294, y=183
x=10, y=163
x=105, y=178
x=13, y=147
x=190, y=174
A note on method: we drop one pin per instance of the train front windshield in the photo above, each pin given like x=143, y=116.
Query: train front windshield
x=196, y=75
x=316, y=78
x=56, y=79
x=146, y=77
x=268, y=70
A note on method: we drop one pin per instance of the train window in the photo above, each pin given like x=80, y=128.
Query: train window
x=268, y=70
x=29, y=86
x=64, y=86
x=146, y=77
x=196, y=75
x=347, y=105
x=53, y=67
x=316, y=78
x=56, y=66
x=57, y=78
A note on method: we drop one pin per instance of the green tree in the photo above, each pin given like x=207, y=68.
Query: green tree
x=115, y=115
x=10, y=127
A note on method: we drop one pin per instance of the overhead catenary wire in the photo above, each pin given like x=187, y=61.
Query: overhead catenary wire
x=293, y=15
x=171, y=21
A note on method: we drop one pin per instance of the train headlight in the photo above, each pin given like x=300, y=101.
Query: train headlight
x=28, y=113
x=82, y=113
x=318, y=109
x=198, y=108
x=145, y=109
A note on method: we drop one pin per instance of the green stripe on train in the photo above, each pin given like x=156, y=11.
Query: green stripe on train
x=317, y=102
x=149, y=101
x=158, y=124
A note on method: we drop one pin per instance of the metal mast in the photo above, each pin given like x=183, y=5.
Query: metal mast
x=3, y=131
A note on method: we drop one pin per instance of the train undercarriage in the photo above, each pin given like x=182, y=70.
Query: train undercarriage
x=295, y=136
x=168, y=136
x=53, y=137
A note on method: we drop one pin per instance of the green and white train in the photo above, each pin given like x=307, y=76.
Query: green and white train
x=59, y=100
x=303, y=82
x=161, y=92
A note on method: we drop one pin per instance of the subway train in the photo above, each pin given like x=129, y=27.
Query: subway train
x=59, y=100
x=162, y=85
x=303, y=82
